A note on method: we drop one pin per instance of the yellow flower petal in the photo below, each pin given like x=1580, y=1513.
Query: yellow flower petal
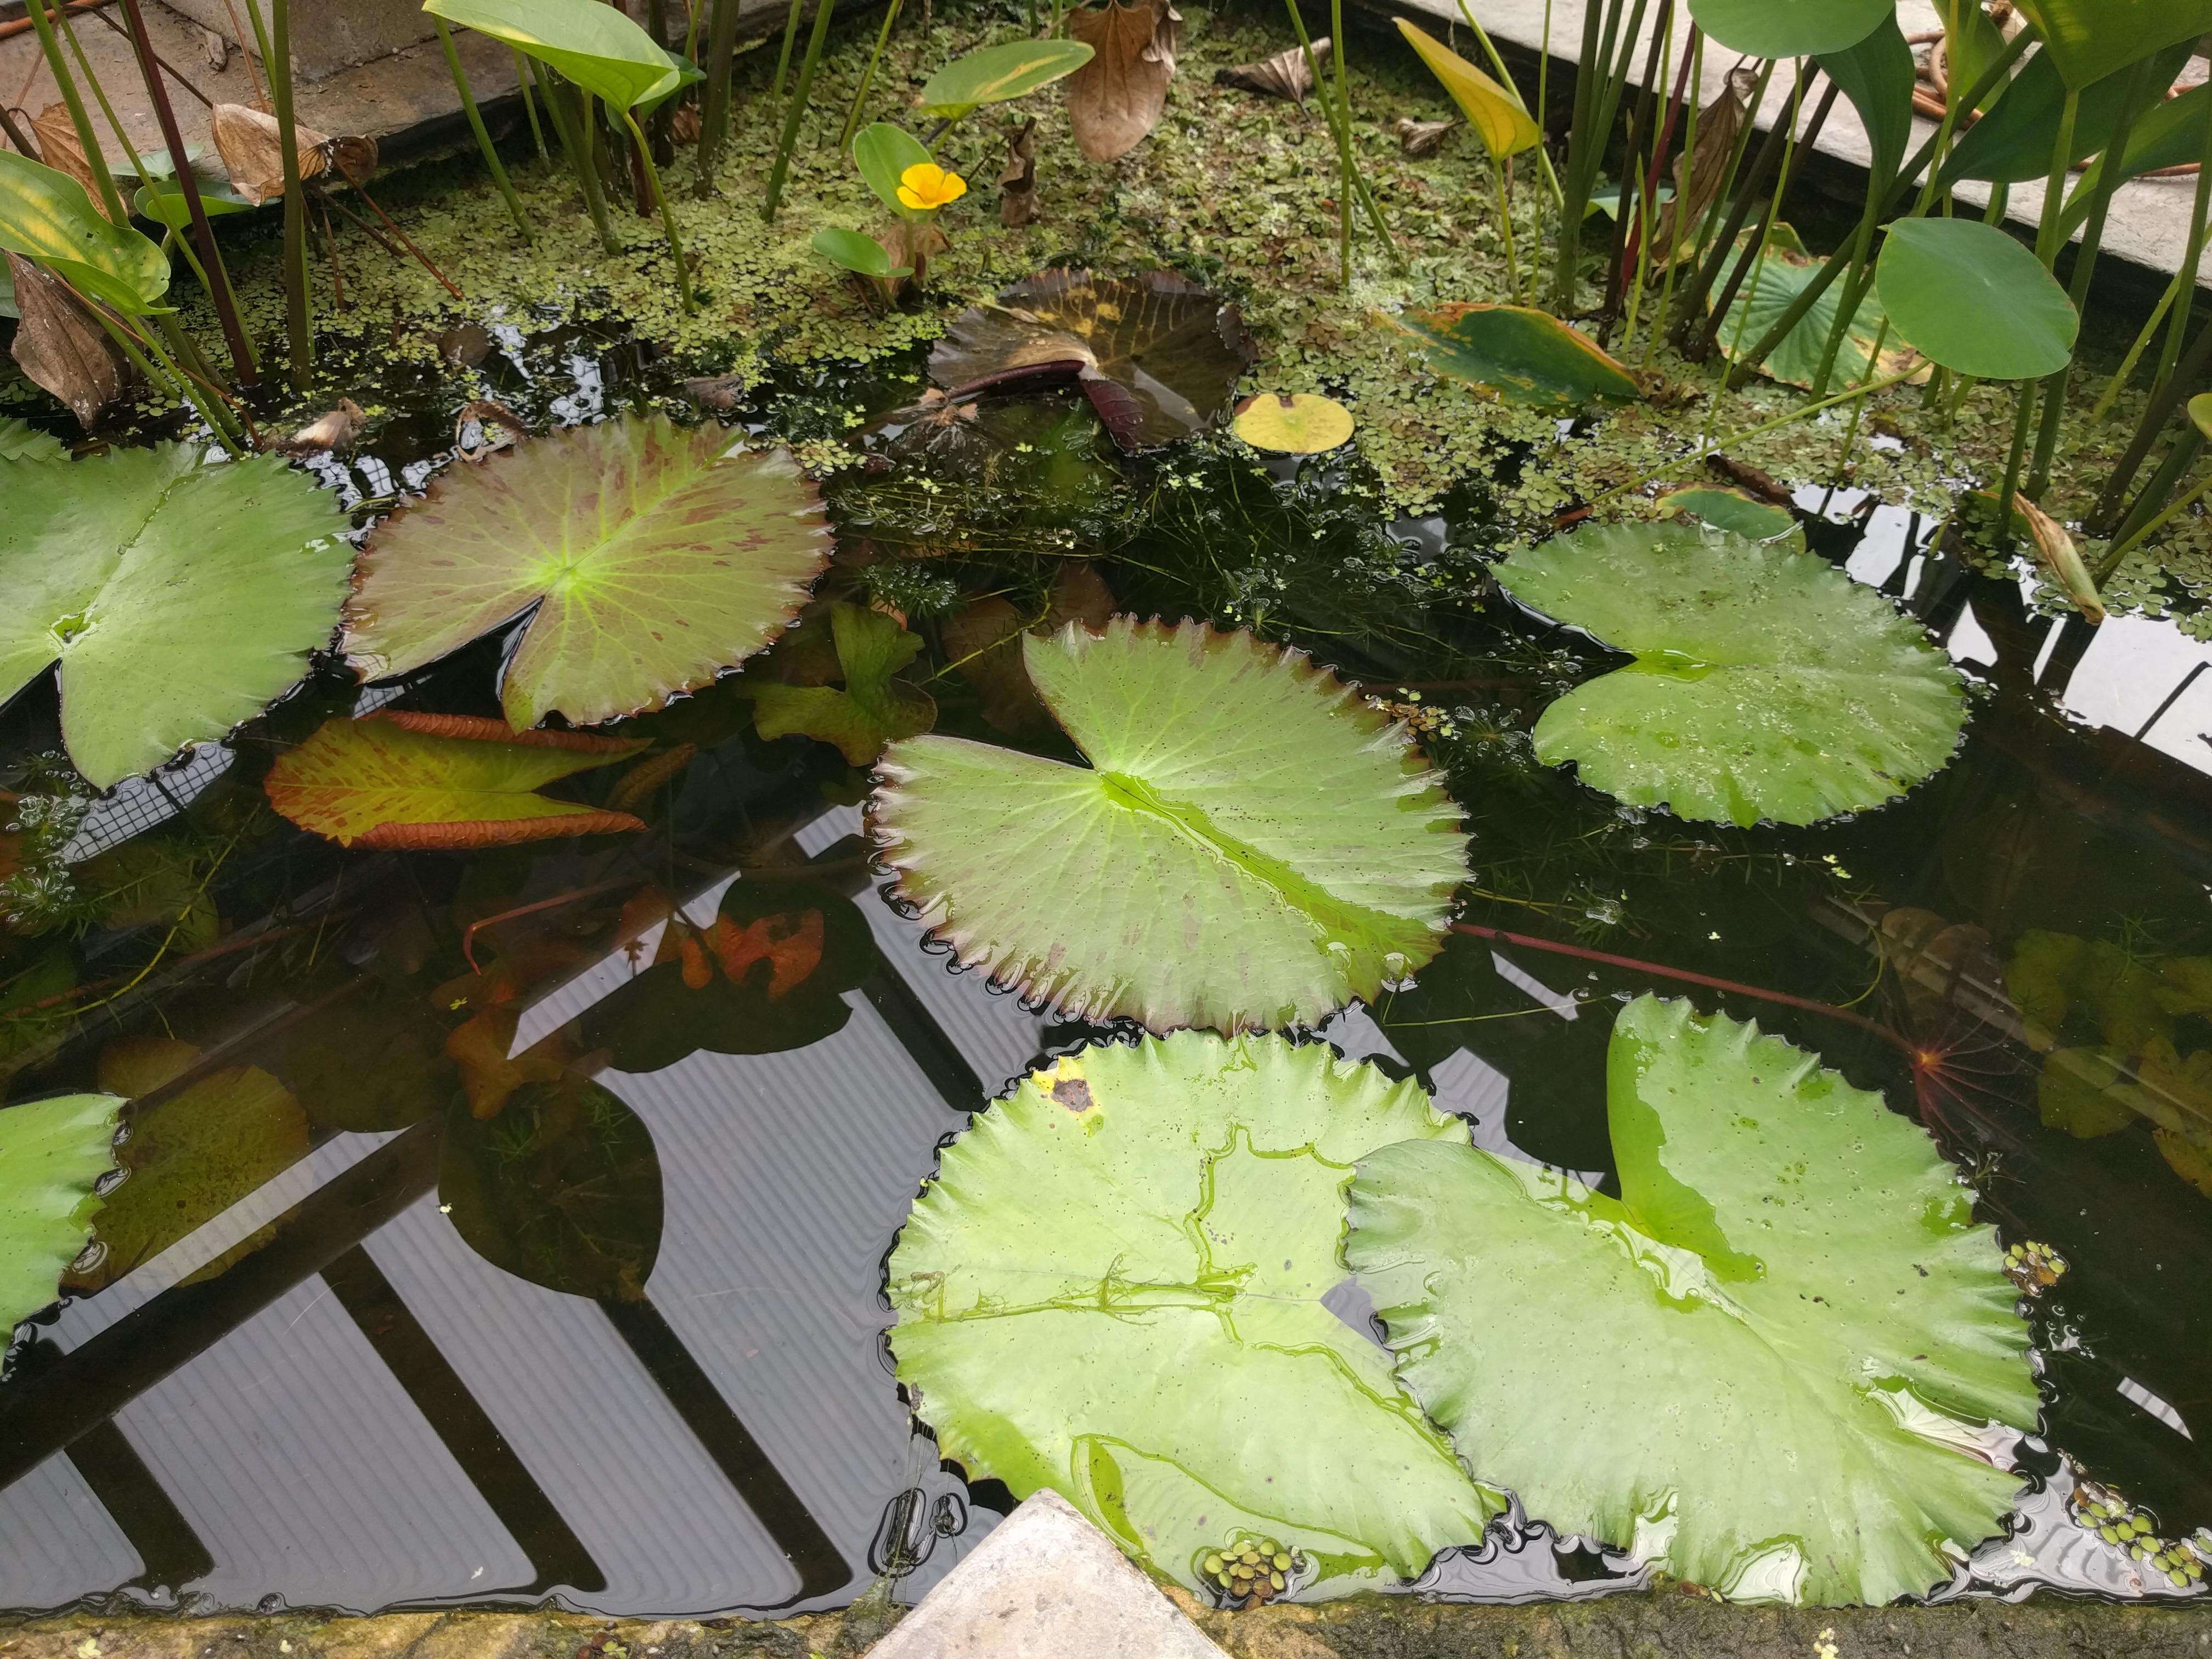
x=909, y=197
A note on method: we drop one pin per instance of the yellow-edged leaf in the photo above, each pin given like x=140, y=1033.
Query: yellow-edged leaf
x=1494, y=112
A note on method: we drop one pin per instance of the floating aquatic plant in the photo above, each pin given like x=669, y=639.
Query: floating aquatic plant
x=1114, y=1288
x=1766, y=685
x=1788, y=1325
x=179, y=598
x=1251, y=845
x=398, y=778
x=1781, y=274
x=1158, y=357
x=1518, y=354
x=52, y=1153
x=640, y=558
x=873, y=707
x=1293, y=423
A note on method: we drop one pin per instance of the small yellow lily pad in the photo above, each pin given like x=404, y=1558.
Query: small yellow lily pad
x=1293, y=423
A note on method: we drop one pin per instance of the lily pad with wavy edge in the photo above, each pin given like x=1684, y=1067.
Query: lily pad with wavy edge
x=1252, y=845
x=1783, y=272
x=1158, y=357
x=1767, y=684
x=1741, y=1365
x=22, y=441
x=1113, y=1289
x=179, y=598
x=1517, y=354
x=400, y=778
x=52, y=1154
x=646, y=558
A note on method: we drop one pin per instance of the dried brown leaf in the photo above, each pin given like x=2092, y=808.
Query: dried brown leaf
x=60, y=149
x=60, y=346
x=1286, y=75
x=1017, y=181
x=334, y=431
x=1421, y=138
x=1699, y=174
x=253, y=155
x=1118, y=97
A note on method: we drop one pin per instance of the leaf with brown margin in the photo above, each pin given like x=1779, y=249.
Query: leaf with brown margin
x=399, y=780
x=1158, y=357
x=60, y=348
x=639, y=559
x=873, y=708
x=1118, y=97
x=1517, y=355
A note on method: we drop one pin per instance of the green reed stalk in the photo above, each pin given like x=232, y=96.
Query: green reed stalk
x=823, y=9
x=1705, y=446
x=1681, y=214
x=783, y=57
x=2170, y=353
x=1330, y=114
x=110, y=197
x=299, y=321
x=1858, y=408
x=1574, y=200
x=483, y=138
x=1344, y=167
x=667, y=213
x=2165, y=400
x=868, y=76
x=575, y=124
x=529, y=102
x=162, y=373
x=715, y=119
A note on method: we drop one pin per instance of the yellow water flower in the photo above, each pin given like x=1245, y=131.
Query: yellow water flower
x=926, y=186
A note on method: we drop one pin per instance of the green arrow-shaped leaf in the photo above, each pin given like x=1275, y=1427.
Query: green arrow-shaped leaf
x=46, y=215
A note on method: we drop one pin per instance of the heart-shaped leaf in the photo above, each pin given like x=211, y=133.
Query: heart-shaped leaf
x=1495, y=112
x=398, y=778
x=2089, y=39
x=871, y=708
x=594, y=45
x=52, y=1152
x=996, y=75
x=1765, y=1324
x=1293, y=423
x=48, y=216
x=884, y=153
x=768, y=975
x=1783, y=272
x=1158, y=357
x=179, y=598
x=1114, y=1289
x=1789, y=28
x=646, y=558
x=1252, y=844
x=1966, y=295
x=1766, y=685
x=857, y=251
x=1518, y=354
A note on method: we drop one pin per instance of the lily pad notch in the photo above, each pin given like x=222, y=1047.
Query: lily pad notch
x=1252, y=845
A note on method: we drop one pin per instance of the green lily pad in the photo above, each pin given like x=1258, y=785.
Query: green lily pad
x=1789, y=28
x=1158, y=357
x=1966, y=295
x=996, y=74
x=1748, y=1365
x=871, y=708
x=1113, y=1289
x=594, y=45
x=646, y=558
x=179, y=598
x=1518, y=354
x=1733, y=510
x=1252, y=845
x=22, y=441
x=1783, y=272
x=1767, y=684
x=52, y=1154
x=48, y=216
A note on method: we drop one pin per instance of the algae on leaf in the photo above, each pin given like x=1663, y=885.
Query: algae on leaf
x=1766, y=684
x=52, y=1153
x=1114, y=1288
x=1726, y=1365
x=645, y=559
x=1252, y=845
x=179, y=598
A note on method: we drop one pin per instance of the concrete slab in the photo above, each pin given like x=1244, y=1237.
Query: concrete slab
x=2150, y=217
x=1046, y=1581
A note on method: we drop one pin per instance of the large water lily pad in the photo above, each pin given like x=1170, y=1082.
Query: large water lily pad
x=1766, y=685
x=52, y=1153
x=1158, y=356
x=646, y=557
x=1518, y=354
x=1739, y=1365
x=1251, y=845
x=179, y=599
x=1783, y=272
x=1114, y=1288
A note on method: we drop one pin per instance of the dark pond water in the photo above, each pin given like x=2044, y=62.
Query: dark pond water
x=624, y=1350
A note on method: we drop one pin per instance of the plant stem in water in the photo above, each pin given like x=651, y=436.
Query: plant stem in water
x=823, y=9
x=298, y=323
x=588, y=166
x=1780, y=420
x=783, y=57
x=667, y=213
x=714, y=119
x=529, y=101
x=868, y=76
x=483, y=138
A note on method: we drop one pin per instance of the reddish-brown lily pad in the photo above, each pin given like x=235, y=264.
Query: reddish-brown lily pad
x=1158, y=357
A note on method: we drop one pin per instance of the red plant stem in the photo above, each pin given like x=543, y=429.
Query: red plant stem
x=226, y=304
x=1633, y=965
x=469, y=934
x=1658, y=158
x=421, y=257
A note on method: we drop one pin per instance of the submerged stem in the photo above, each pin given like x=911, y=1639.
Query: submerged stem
x=483, y=138
x=667, y=213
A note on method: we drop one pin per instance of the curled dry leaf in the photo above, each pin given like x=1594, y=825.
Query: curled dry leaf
x=684, y=125
x=335, y=431
x=59, y=345
x=498, y=427
x=1118, y=97
x=1699, y=174
x=247, y=140
x=1286, y=75
x=1421, y=138
x=1017, y=181
x=2061, y=559
x=910, y=245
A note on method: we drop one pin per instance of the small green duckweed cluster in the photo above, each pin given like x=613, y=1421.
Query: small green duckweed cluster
x=1251, y=1570
x=2180, y=1562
